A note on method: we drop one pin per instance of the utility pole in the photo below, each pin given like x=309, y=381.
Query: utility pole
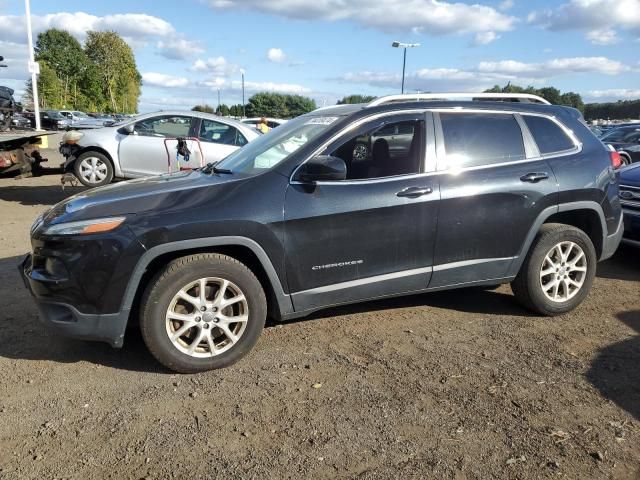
x=34, y=68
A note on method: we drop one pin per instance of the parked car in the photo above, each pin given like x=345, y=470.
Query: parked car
x=51, y=120
x=97, y=121
x=630, y=200
x=625, y=140
x=20, y=121
x=487, y=193
x=271, y=122
x=146, y=145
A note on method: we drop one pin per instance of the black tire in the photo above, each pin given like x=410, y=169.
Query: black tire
x=160, y=293
x=101, y=160
x=527, y=286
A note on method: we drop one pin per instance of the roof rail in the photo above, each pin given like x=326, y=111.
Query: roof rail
x=513, y=97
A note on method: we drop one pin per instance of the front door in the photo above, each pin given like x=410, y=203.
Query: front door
x=493, y=188
x=151, y=148
x=368, y=236
x=219, y=140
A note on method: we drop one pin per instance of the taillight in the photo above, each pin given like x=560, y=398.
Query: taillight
x=616, y=160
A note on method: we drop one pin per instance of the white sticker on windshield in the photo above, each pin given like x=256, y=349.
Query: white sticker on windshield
x=321, y=121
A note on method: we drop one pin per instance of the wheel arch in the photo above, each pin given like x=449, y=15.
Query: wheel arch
x=588, y=216
x=68, y=166
x=242, y=249
x=627, y=156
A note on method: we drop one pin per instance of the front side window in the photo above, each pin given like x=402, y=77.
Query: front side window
x=384, y=151
x=217, y=132
x=476, y=139
x=168, y=126
x=548, y=135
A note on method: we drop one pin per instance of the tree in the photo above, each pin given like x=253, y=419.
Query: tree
x=236, y=111
x=551, y=94
x=203, y=108
x=116, y=65
x=621, y=110
x=269, y=104
x=222, y=110
x=66, y=59
x=349, y=99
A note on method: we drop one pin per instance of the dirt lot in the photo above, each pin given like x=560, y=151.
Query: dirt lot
x=461, y=385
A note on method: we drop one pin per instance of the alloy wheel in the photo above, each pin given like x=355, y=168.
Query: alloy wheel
x=207, y=317
x=563, y=272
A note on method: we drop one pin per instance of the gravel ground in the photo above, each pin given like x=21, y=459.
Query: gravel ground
x=462, y=385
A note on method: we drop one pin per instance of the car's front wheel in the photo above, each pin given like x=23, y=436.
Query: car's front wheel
x=558, y=271
x=202, y=312
x=93, y=169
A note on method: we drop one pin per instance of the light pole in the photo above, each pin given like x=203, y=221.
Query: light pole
x=404, y=60
x=34, y=68
x=243, y=111
x=218, y=101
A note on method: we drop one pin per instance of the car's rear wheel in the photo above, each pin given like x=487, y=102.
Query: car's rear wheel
x=202, y=312
x=558, y=271
x=93, y=169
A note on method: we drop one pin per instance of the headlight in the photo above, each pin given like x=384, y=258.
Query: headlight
x=84, y=227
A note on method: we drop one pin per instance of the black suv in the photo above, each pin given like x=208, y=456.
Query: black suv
x=487, y=192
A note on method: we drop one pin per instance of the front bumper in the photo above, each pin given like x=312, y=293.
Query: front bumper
x=66, y=320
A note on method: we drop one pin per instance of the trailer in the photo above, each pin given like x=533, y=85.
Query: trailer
x=19, y=151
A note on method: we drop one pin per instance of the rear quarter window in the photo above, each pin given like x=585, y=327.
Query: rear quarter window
x=548, y=135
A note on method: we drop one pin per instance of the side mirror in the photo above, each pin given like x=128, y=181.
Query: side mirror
x=323, y=168
x=128, y=129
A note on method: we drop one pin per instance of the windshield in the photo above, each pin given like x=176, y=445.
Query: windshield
x=620, y=135
x=274, y=147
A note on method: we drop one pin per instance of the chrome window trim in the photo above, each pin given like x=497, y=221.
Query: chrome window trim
x=350, y=128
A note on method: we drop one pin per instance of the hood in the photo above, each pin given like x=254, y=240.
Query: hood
x=169, y=192
x=630, y=175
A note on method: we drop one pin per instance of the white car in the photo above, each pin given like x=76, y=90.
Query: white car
x=147, y=145
x=272, y=122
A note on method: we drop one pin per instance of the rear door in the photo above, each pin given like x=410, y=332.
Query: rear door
x=370, y=235
x=493, y=185
x=151, y=148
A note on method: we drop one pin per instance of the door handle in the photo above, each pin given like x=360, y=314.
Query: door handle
x=414, y=192
x=534, y=177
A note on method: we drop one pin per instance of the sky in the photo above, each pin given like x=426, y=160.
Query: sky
x=189, y=50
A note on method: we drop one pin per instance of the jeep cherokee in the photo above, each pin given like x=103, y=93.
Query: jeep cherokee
x=485, y=192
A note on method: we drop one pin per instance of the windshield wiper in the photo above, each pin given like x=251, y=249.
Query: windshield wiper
x=211, y=168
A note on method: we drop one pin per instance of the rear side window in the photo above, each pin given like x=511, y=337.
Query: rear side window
x=475, y=139
x=548, y=135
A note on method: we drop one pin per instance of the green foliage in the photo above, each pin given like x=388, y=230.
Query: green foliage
x=222, y=110
x=116, y=66
x=203, y=108
x=550, y=94
x=621, y=110
x=66, y=59
x=101, y=77
x=278, y=105
x=236, y=111
x=349, y=99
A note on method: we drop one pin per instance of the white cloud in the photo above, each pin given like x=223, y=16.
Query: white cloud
x=557, y=66
x=272, y=87
x=162, y=80
x=606, y=36
x=133, y=26
x=591, y=16
x=487, y=74
x=177, y=48
x=485, y=38
x=216, y=66
x=613, y=94
x=505, y=5
x=422, y=16
x=276, y=55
